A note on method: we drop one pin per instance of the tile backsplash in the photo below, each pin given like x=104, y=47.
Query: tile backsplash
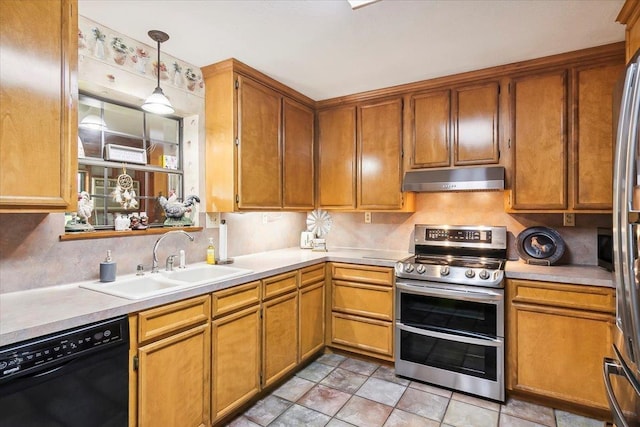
x=32, y=256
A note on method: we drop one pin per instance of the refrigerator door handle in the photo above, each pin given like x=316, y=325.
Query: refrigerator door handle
x=611, y=367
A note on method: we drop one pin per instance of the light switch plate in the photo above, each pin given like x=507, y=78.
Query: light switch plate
x=213, y=219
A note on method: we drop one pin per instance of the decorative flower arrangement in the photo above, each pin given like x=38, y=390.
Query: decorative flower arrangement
x=163, y=70
x=97, y=34
x=177, y=67
x=190, y=75
x=140, y=58
x=192, y=79
x=119, y=46
x=121, y=50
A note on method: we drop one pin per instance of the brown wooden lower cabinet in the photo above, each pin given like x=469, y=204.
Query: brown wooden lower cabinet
x=279, y=337
x=173, y=350
x=235, y=360
x=311, y=298
x=362, y=309
x=557, y=336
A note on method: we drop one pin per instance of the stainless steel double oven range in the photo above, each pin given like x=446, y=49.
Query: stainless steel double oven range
x=450, y=309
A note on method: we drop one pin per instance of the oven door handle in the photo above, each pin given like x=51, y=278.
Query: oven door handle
x=485, y=341
x=483, y=295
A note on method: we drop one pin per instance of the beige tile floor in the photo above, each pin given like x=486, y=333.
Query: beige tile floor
x=337, y=391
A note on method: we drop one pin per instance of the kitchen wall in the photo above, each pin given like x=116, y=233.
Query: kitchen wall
x=32, y=255
x=394, y=230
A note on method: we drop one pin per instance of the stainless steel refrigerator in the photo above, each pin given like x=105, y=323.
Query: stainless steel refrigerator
x=622, y=372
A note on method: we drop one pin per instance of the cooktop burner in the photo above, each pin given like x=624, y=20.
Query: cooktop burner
x=466, y=255
x=452, y=261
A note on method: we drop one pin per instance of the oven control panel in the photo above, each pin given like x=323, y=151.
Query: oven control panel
x=456, y=235
x=461, y=236
x=22, y=357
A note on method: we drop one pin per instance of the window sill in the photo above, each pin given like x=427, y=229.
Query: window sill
x=109, y=233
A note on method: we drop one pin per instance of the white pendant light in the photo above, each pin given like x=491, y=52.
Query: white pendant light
x=93, y=122
x=157, y=102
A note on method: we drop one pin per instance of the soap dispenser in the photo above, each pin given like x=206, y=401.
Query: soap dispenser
x=211, y=252
x=108, y=269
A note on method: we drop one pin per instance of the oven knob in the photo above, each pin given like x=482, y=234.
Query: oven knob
x=444, y=271
x=484, y=274
x=408, y=268
x=421, y=269
x=469, y=273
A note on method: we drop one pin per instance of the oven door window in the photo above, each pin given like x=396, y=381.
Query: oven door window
x=454, y=356
x=448, y=315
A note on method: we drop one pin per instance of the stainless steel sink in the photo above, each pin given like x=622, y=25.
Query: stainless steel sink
x=139, y=287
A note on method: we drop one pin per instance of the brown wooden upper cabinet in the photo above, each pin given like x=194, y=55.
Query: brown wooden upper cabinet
x=628, y=16
x=539, y=140
x=337, y=158
x=562, y=161
x=360, y=157
x=463, y=120
x=259, y=142
x=431, y=129
x=38, y=156
x=593, y=138
x=475, y=124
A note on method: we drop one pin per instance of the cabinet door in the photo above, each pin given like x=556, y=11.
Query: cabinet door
x=431, y=129
x=259, y=155
x=280, y=337
x=311, y=321
x=593, y=136
x=540, y=141
x=557, y=336
x=476, y=124
x=298, y=165
x=380, y=155
x=337, y=158
x=235, y=349
x=174, y=380
x=563, y=358
x=38, y=141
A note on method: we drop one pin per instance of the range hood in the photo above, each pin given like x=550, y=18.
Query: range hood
x=458, y=179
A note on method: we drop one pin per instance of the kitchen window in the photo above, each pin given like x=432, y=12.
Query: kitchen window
x=115, y=140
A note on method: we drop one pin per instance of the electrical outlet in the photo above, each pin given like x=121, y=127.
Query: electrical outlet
x=367, y=217
x=569, y=219
x=213, y=220
x=265, y=218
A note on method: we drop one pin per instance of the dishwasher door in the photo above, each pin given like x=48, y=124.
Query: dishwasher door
x=77, y=378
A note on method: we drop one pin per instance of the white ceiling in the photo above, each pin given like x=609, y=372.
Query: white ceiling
x=324, y=49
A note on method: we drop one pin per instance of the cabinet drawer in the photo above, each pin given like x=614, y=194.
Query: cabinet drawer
x=170, y=318
x=310, y=275
x=365, y=334
x=363, y=273
x=228, y=300
x=280, y=284
x=362, y=299
x=582, y=297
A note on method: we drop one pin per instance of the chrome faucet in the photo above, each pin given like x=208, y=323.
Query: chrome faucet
x=154, y=266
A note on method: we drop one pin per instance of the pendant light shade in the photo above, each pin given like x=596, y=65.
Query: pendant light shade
x=157, y=102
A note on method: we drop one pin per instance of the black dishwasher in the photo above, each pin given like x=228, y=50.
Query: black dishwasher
x=74, y=378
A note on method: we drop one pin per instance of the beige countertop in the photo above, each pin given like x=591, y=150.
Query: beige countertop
x=33, y=313
x=575, y=274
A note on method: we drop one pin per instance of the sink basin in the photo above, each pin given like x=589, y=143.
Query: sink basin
x=135, y=288
x=150, y=285
x=205, y=274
